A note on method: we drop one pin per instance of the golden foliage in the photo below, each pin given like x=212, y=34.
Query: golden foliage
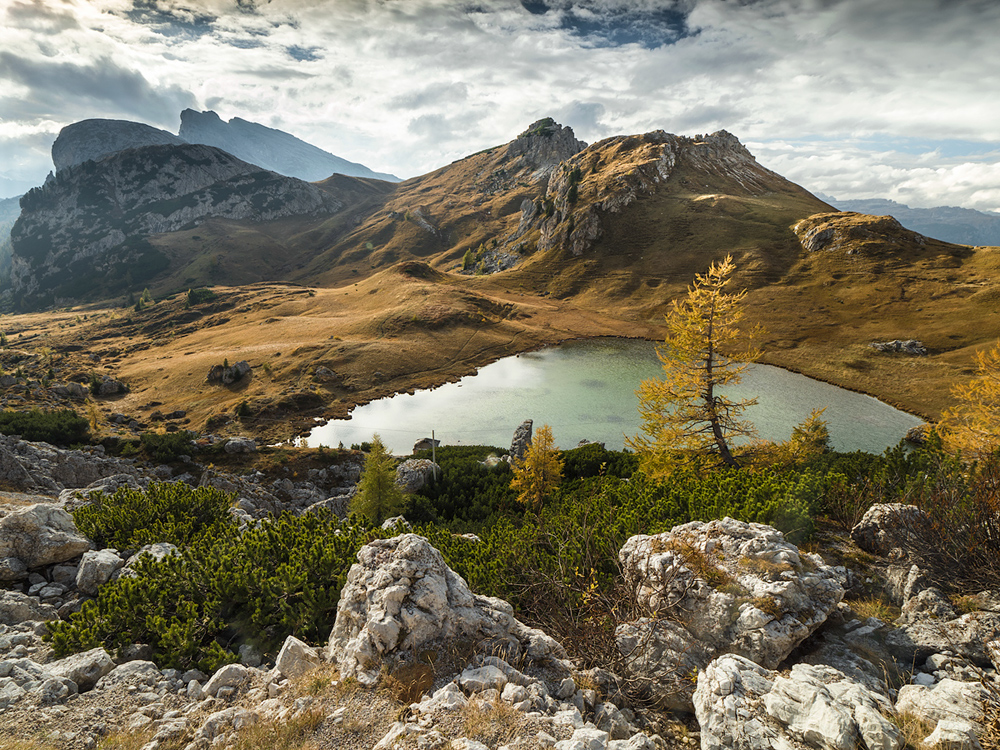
x=539, y=472
x=972, y=425
x=704, y=351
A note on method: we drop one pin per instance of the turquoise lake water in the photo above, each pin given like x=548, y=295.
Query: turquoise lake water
x=586, y=390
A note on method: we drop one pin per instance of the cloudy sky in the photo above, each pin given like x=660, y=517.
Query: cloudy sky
x=891, y=99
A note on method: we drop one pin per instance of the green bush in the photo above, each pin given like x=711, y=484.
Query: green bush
x=199, y=295
x=165, y=512
x=167, y=446
x=196, y=608
x=64, y=427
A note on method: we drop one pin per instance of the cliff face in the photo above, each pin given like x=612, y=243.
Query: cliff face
x=89, y=140
x=88, y=226
x=271, y=149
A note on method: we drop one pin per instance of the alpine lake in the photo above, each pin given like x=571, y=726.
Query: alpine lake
x=585, y=390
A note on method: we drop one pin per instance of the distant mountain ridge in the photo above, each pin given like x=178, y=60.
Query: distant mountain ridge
x=267, y=147
x=963, y=226
x=274, y=150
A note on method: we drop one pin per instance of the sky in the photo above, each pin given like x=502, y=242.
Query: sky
x=852, y=99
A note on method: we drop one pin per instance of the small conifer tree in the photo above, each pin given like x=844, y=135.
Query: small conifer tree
x=539, y=472
x=378, y=497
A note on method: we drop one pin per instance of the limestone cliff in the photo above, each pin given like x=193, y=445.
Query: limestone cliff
x=88, y=140
x=88, y=225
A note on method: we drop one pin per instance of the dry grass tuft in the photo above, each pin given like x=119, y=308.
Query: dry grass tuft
x=765, y=568
x=493, y=723
x=293, y=733
x=875, y=606
x=913, y=730
x=410, y=682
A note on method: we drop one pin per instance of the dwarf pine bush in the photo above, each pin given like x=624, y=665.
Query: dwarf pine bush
x=171, y=512
x=62, y=427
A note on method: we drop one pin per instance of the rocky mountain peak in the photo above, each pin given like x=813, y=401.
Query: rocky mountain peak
x=90, y=140
x=545, y=144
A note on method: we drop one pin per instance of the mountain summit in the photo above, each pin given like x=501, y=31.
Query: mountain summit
x=272, y=149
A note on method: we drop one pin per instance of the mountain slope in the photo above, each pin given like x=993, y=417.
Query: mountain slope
x=84, y=233
x=271, y=149
x=963, y=226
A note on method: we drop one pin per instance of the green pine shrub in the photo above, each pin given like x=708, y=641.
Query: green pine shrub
x=197, y=607
x=165, y=512
x=167, y=446
x=63, y=427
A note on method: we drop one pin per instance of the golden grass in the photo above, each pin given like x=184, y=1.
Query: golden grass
x=497, y=724
x=913, y=730
x=874, y=606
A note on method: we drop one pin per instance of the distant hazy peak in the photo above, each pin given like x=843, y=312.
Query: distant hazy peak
x=270, y=148
x=964, y=226
x=89, y=140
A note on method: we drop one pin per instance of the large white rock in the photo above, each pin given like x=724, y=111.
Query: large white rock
x=96, y=569
x=231, y=675
x=85, y=668
x=16, y=607
x=718, y=587
x=136, y=673
x=401, y=597
x=296, y=657
x=955, y=707
x=40, y=534
x=891, y=529
x=742, y=706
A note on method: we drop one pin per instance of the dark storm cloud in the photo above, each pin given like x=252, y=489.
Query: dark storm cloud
x=611, y=24
x=54, y=85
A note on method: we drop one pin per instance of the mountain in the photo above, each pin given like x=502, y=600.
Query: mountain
x=9, y=210
x=269, y=148
x=89, y=140
x=83, y=233
x=964, y=226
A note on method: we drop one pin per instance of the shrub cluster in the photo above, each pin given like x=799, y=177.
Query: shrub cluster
x=64, y=427
x=167, y=446
x=171, y=512
x=197, y=607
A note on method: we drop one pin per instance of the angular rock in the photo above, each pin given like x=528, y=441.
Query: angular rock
x=10, y=692
x=137, y=673
x=522, y=439
x=718, y=587
x=40, y=534
x=401, y=598
x=229, y=676
x=965, y=636
x=241, y=445
x=13, y=569
x=413, y=474
x=96, y=569
x=742, y=706
x=887, y=527
x=296, y=658
x=16, y=607
x=85, y=668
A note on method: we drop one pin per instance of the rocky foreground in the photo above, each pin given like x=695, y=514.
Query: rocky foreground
x=735, y=627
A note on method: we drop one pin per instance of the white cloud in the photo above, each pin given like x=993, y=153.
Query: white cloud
x=407, y=85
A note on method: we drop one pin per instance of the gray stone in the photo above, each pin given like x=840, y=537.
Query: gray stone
x=719, y=587
x=742, y=706
x=229, y=676
x=96, y=568
x=910, y=346
x=12, y=569
x=401, y=597
x=413, y=474
x=16, y=607
x=521, y=440
x=241, y=445
x=296, y=658
x=136, y=673
x=40, y=534
x=85, y=668
x=891, y=529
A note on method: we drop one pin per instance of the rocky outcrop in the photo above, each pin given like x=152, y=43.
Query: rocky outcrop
x=413, y=474
x=718, y=587
x=39, y=535
x=269, y=148
x=90, y=140
x=910, y=346
x=401, y=599
x=891, y=529
x=572, y=212
x=855, y=234
x=39, y=466
x=955, y=709
x=90, y=222
x=521, y=440
x=229, y=374
x=543, y=146
x=742, y=706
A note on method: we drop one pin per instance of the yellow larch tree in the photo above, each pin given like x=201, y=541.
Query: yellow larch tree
x=539, y=472
x=972, y=425
x=684, y=414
